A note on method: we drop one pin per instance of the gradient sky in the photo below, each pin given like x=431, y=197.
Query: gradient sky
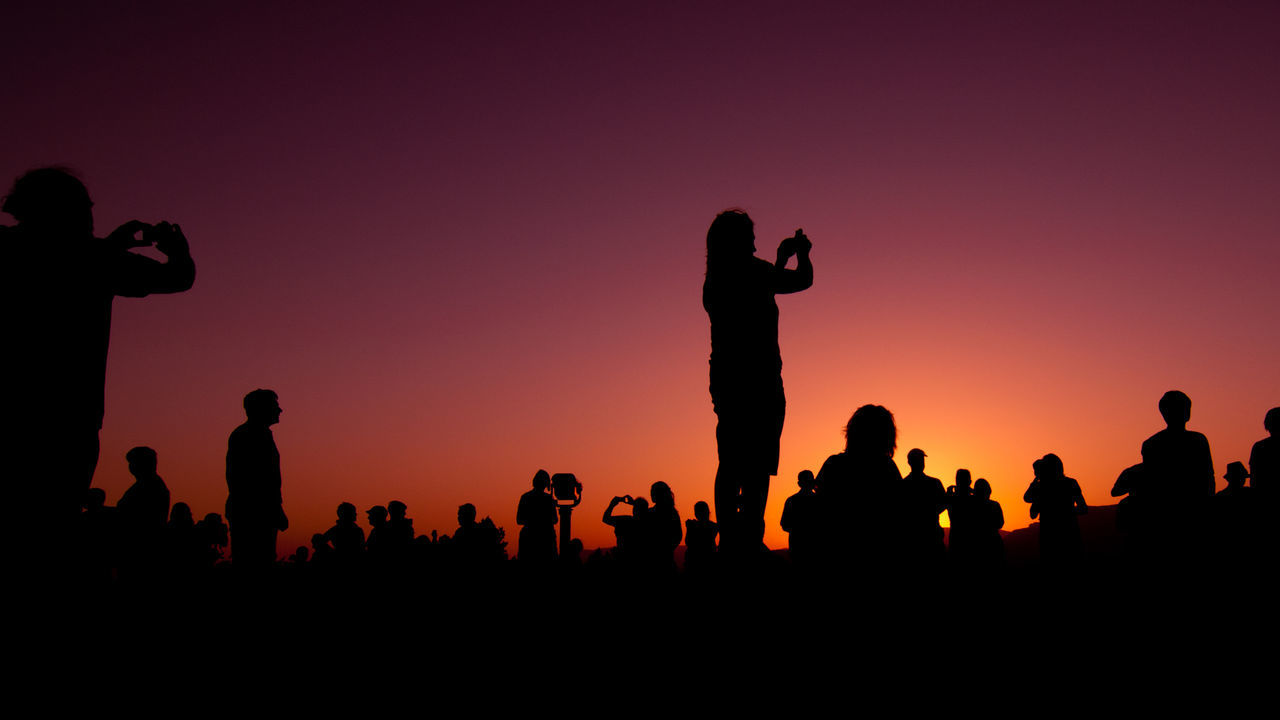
x=465, y=240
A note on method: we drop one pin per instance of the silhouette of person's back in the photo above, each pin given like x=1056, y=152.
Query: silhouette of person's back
x=700, y=539
x=988, y=519
x=1264, y=461
x=861, y=491
x=662, y=528
x=537, y=518
x=1058, y=500
x=346, y=537
x=1177, y=461
x=59, y=284
x=746, y=368
x=802, y=521
x=255, y=505
x=923, y=500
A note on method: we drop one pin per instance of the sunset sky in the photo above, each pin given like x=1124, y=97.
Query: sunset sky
x=465, y=240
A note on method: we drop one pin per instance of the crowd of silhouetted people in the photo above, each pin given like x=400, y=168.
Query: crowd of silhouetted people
x=858, y=516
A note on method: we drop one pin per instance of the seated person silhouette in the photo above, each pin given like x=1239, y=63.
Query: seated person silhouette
x=59, y=287
x=255, y=504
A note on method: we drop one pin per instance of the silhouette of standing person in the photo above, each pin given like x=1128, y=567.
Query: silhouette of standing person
x=923, y=500
x=1058, y=500
x=662, y=528
x=746, y=368
x=628, y=530
x=988, y=519
x=143, y=511
x=802, y=521
x=700, y=538
x=1264, y=461
x=861, y=491
x=59, y=283
x=536, y=515
x=960, y=510
x=255, y=506
x=1178, y=479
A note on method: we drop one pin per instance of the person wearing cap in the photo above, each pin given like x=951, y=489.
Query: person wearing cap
x=1235, y=512
x=923, y=500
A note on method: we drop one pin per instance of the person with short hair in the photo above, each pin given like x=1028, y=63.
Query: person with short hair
x=255, y=504
x=59, y=283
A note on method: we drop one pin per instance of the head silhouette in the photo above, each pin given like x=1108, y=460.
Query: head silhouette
x=806, y=480
x=377, y=515
x=1271, y=423
x=1236, y=474
x=541, y=481
x=1175, y=408
x=639, y=506
x=731, y=238
x=871, y=432
x=95, y=499
x=466, y=515
x=262, y=407
x=142, y=462
x=915, y=460
x=1051, y=466
x=662, y=495
x=702, y=511
x=51, y=200
x=963, y=478
x=180, y=515
x=397, y=510
x=982, y=488
x=347, y=512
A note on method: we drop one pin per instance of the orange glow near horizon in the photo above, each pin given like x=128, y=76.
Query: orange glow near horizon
x=463, y=244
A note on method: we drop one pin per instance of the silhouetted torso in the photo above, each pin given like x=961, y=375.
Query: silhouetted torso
x=1179, y=469
x=861, y=498
x=1264, y=468
x=254, y=501
x=537, y=518
x=923, y=499
x=802, y=520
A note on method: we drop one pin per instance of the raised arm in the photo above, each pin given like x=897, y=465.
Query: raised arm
x=608, y=512
x=137, y=275
x=792, y=281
